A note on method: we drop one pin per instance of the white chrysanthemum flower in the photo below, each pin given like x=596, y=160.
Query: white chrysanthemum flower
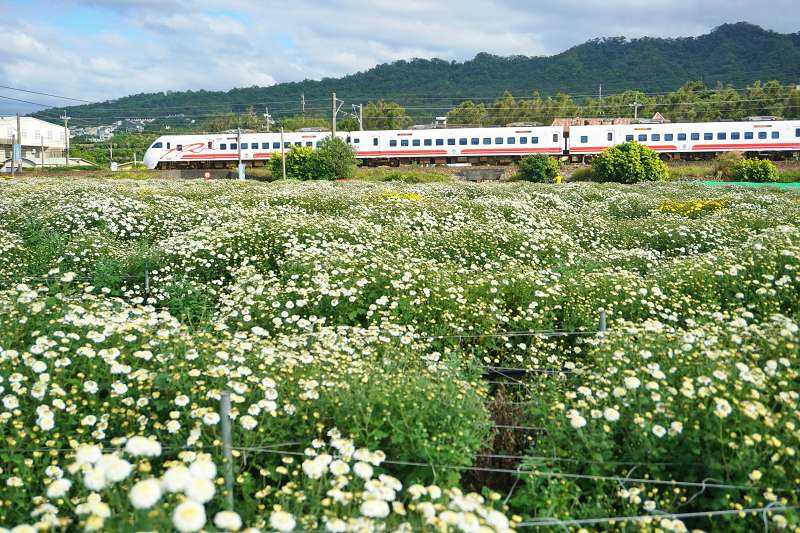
x=176, y=478
x=362, y=470
x=314, y=468
x=143, y=447
x=577, y=421
x=203, y=468
x=339, y=468
x=659, y=431
x=23, y=528
x=94, y=479
x=281, y=521
x=88, y=454
x=375, y=508
x=116, y=469
x=228, y=520
x=248, y=422
x=632, y=382
x=335, y=525
x=611, y=414
x=58, y=488
x=199, y=489
x=145, y=494
x=722, y=408
x=189, y=516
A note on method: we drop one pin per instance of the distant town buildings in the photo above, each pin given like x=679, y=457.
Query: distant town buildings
x=105, y=132
x=41, y=142
x=658, y=118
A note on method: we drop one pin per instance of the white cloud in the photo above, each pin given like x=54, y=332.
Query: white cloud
x=154, y=45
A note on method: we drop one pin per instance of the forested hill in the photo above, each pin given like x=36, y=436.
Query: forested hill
x=734, y=54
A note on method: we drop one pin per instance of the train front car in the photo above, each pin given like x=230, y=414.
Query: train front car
x=154, y=154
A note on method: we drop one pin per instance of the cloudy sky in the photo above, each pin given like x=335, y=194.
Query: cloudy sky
x=101, y=49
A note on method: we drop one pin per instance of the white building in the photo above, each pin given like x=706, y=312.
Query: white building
x=38, y=139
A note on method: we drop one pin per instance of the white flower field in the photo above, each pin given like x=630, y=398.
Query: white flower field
x=398, y=357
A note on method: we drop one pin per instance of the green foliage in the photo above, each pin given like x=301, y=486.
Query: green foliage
x=125, y=146
x=298, y=165
x=408, y=174
x=297, y=122
x=382, y=115
x=582, y=174
x=629, y=163
x=538, y=167
x=757, y=170
x=725, y=164
x=333, y=159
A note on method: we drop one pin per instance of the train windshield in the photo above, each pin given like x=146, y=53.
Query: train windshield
x=159, y=144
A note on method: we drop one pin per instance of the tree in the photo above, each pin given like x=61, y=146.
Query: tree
x=297, y=163
x=467, y=114
x=333, y=159
x=757, y=170
x=629, y=163
x=539, y=168
x=382, y=115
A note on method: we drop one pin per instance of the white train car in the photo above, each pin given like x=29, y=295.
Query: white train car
x=222, y=149
x=756, y=137
x=372, y=147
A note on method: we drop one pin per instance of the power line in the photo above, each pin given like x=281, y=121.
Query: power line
x=45, y=94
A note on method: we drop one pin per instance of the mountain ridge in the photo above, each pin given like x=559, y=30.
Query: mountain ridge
x=735, y=54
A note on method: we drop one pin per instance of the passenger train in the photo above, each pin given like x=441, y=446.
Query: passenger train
x=772, y=138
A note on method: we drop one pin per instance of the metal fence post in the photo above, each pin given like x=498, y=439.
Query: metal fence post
x=602, y=321
x=146, y=281
x=227, y=447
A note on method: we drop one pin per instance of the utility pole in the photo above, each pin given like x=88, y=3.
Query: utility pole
x=333, y=117
x=635, y=105
x=110, y=154
x=41, y=150
x=283, y=154
x=239, y=149
x=360, y=115
x=303, y=104
x=66, y=138
x=134, y=160
x=13, y=153
x=268, y=117
x=600, y=97
x=19, y=138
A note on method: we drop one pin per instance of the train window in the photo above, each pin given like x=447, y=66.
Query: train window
x=642, y=137
x=474, y=140
x=796, y=132
x=762, y=134
x=721, y=136
x=265, y=146
x=511, y=140
x=286, y=144
x=403, y=142
x=668, y=137
x=356, y=141
x=298, y=144
x=319, y=143
x=276, y=145
x=655, y=137
x=609, y=136
x=254, y=146
x=534, y=140
x=159, y=144
x=439, y=142
x=708, y=136
x=681, y=136
x=695, y=136
x=487, y=140
x=393, y=142
x=555, y=137
x=233, y=146
x=748, y=135
x=415, y=142
x=223, y=146
x=462, y=141
x=498, y=140
x=776, y=135
x=523, y=140
x=309, y=143
x=167, y=146
x=451, y=142
x=210, y=145
x=584, y=139
x=428, y=142
x=628, y=138
x=735, y=135
x=374, y=141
